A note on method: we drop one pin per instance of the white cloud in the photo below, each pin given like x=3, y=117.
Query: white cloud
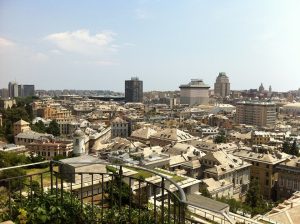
x=6, y=43
x=81, y=41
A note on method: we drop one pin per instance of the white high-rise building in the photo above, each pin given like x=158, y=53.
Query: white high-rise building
x=194, y=93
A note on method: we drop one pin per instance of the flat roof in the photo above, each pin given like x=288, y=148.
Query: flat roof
x=207, y=203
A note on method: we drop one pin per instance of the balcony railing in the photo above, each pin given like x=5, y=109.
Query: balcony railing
x=102, y=192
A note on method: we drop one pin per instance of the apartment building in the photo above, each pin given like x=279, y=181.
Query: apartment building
x=226, y=167
x=256, y=113
x=264, y=169
x=170, y=136
x=119, y=128
x=20, y=126
x=50, y=148
x=288, y=178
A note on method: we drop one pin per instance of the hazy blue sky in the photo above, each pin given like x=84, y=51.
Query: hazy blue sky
x=59, y=44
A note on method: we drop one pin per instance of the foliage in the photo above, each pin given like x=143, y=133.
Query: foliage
x=12, y=115
x=47, y=210
x=255, y=200
x=294, y=149
x=8, y=159
x=289, y=148
x=13, y=184
x=204, y=192
x=39, y=127
x=111, y=169
x=118, y=190
x=59, y=157
x=53, y=128
x=33, y=158
x=220, y=138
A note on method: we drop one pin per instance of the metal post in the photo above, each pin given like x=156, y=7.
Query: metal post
x=51, y=175
x=162, y=199
x=120, y=185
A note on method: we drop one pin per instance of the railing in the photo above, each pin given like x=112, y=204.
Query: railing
x=101, y=192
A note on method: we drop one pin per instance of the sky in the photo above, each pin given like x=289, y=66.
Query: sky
x=97, y=44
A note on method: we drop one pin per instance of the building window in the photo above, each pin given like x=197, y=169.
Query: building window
x=267, y=182
x=267, y=174
x=257, y=164
x=267, y=166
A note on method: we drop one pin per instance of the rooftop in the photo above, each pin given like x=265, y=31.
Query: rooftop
x=195, y=83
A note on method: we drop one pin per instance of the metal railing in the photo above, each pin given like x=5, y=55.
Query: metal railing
x=100, y=191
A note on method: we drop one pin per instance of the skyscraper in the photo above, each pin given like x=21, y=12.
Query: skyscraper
x=29, y=90
x=196, y=92
x=134, y=90
x=13, y=89
x=20, y=90
x=222, y=85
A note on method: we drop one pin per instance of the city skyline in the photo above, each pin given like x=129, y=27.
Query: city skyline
x=99, y=44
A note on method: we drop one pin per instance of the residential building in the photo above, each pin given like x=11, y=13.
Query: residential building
x=134, y=90
x=291, y=109
x=226, y=167
x=142, y=135
x=256, y=113
x=48, y=148
x=193, y=93
x=119, y=128
x=260, y=137
x=264, y=169
x=7, y=103
x=20, y=126
x=285, y=212
x=51, y=112
x=19, y=149
x=222, y=85
x=218, y=120
x=170, y=136
x=288, y=178
x=67, y=125
x=216, y=188
x=24, y=138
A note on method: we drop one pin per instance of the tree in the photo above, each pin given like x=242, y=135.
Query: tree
x=294, y=149
x=53, y=128
x=39, y=127
x=220, y=138
x=255, y=200
x=204, y=192
x=286, y=147
x=253, y=195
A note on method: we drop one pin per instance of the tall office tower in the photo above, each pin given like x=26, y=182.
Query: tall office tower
x=196, y=92
x=20, y=90
x=134, y=90
x=222, y=85
x=29, y=90
x=13, y=89
x=256, y=113
x=4, y=93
